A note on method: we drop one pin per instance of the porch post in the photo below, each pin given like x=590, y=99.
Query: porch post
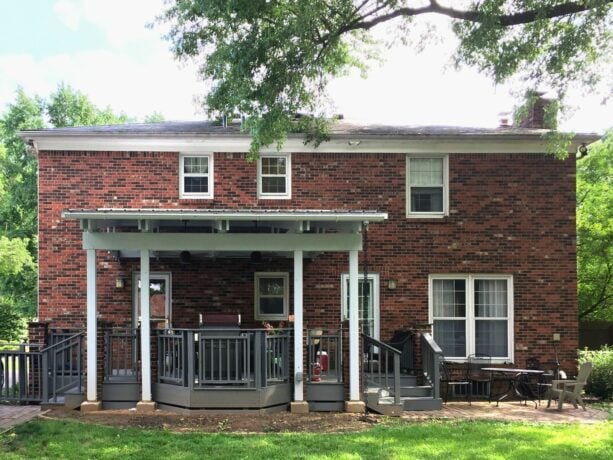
x=354, y=404
x=145, y=404
x=298, y=405
x=92, y=403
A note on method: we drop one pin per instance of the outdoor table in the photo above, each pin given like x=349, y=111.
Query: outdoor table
x=522, y=391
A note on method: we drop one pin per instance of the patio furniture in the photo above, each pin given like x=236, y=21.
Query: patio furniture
x=477, y=376
x=516, y=383
x=454, y=377
x=570, y=389
x=542, y=385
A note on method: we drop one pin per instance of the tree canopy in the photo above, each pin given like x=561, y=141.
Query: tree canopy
x=595, y=231
x=269, y=59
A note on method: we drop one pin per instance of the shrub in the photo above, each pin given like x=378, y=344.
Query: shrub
x=600, y=382
x=11, y=323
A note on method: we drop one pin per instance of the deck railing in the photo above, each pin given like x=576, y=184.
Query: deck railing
x=431, y=356
x=21, y=372
x=238, y=359
x=31, y=373
x=121, y=355
x=325, y=355
x=381, y=366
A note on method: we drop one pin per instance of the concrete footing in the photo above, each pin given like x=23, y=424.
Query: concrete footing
x=355, y=407
x=91, y=406
x=146, y=406
x=299, y=407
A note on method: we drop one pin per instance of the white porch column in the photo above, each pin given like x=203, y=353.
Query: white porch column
x=92, y=377
x=298, y=325
x=354, y=331
x=145, y=326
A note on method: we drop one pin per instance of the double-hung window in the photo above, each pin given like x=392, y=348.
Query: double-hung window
x=427, y=186
x=473, y=314
x=271, y=296
x=196, y=175
x=274, y=176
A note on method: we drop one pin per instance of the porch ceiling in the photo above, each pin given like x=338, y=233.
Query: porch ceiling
x=225, y=221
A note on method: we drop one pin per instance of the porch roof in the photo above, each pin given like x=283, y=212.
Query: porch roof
x=250, y=215
x=251, y=221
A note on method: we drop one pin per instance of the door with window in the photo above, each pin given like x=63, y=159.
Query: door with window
x=159, y=298
x=368, y=303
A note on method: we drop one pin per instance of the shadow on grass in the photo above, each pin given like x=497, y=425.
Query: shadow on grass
x=396, y=440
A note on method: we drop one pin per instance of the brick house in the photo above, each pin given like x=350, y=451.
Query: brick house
x=467, y=235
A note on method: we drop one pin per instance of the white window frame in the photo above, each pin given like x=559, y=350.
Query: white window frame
x=374, y=277
x=191, y=195
x=167, y=277
x=288, y=177
x=264, y=317
x=470, y=312
x=428, y=215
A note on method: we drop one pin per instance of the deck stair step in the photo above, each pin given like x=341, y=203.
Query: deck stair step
x=413, y=390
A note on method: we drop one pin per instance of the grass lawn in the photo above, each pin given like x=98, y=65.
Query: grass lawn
x=393, y=440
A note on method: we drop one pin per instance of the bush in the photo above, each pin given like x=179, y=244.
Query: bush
x=11, y=323
x=600, y=382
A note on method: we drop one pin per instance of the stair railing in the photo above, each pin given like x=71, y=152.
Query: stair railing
x=381, y=366
x=62, y=366
x=431, y=357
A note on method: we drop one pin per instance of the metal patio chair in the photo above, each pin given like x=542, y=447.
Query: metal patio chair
x=475, y=374
x=454, y=378
x=570, y=389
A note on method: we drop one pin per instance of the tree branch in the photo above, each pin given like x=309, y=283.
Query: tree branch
x=504, y=20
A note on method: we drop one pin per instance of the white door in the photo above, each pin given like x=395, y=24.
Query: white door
x=160, y=292
x=368, y=302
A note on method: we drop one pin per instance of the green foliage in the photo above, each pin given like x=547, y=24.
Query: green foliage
x=68, y=107
x=600, y=382
x=595, y=231
x=11, y=322
x=269, y=60
x=14, y=256
x=155, y=117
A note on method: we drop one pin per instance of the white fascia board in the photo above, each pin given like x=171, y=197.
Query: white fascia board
x=338, y=144
x=222, y=242
x=230, y=216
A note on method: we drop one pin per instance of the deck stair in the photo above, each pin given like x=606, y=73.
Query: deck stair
x=390, y=392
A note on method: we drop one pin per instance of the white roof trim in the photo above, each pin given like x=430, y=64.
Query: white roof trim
x=313, y=216
x=352, y=144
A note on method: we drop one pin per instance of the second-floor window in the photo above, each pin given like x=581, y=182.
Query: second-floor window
x=274, y=176
x=427, y=186
x=196, y=175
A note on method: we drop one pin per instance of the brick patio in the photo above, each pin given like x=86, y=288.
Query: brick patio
x=11, y=416
x=511, y=411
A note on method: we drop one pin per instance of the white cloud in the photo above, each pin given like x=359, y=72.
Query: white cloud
x=138, y=88
x=68, y=12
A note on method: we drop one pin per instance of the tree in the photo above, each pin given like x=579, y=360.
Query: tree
x=595, y=231
x=269, y=59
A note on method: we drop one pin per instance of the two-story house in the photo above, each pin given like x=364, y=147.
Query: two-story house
x=263, y=276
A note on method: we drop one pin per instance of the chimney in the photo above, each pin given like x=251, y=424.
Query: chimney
x=535, y=116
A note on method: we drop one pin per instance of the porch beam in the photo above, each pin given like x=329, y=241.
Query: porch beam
x=222, y=241
x=92, y=377
x=354, y=331
x=145, y=325
x=298, y=328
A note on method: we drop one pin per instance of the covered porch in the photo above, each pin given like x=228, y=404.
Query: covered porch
x=182, y=361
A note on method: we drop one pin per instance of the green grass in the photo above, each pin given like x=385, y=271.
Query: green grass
x=431, y=440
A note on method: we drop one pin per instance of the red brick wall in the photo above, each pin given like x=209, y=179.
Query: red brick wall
x=509, y=214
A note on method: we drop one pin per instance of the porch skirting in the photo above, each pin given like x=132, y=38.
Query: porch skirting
x=270, y=397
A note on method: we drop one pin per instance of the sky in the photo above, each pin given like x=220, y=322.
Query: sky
x=104, y=49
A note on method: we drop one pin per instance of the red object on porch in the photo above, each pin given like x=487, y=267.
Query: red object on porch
x=322, y=357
